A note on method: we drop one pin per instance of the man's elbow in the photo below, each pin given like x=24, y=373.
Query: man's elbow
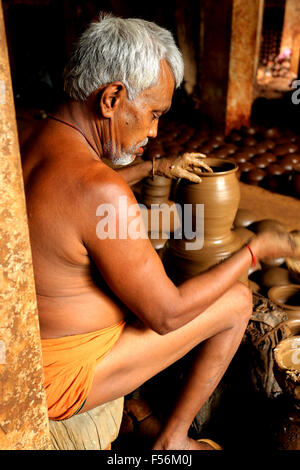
x=164, y=325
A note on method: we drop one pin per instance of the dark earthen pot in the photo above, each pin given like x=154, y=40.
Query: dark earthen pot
x=220, y=194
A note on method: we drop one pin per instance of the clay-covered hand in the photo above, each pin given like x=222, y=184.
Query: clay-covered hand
x=295, y=236
x=188, y=166
x=274, y=244
x=293, y=262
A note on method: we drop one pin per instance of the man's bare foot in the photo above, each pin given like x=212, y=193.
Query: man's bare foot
x=181, y=444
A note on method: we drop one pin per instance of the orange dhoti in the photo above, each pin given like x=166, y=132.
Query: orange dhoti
x=69, y=366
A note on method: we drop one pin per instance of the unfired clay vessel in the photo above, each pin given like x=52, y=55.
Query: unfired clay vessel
x=274, y=276
x=220, y=194
x=155, y=190
x=288, y=298
x=287, y=366
x=244, y=218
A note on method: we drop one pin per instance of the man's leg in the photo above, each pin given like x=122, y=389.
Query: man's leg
x=140, y=353
x=210, y=362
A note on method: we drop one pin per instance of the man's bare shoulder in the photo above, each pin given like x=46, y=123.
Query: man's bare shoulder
x=100, y=183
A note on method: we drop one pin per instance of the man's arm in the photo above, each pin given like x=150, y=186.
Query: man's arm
x=136, y=172
x=135, y=273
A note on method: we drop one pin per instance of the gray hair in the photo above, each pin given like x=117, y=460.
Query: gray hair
x=117, y=49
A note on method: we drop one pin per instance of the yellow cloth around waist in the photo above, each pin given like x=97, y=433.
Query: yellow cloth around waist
x=69, y=366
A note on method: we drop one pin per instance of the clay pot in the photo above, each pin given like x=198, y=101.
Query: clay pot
x=269, y=143
x=220, y=194
x=241, y=157
x=274, y=170
x=243, y=218
x=260, y=161
x=274, y=180
x=288, y=298
x=249, y=150
x=272, y=132
x=221, y=152
x=255, y=177
x=234, y=137
x=266, y=224
x=206, y=148
x=287, y=366
x=284, y=149
x=286, y=163
x=275, y=276
x=261, y=148
x=294, y=326
x=155, y=190
x=249, y=141
x=251, y=130
x=244, y=234
x=245, y=168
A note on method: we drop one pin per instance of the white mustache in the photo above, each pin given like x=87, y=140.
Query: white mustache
x=142, y=144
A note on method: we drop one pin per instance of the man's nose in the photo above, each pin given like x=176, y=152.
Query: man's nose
x=153, y=129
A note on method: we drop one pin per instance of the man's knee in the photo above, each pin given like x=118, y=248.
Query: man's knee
x=244, y=300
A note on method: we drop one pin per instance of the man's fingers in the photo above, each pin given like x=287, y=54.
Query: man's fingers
x=204, y=165
x=196, y=170
x=194, y=155
x=193, y=161
x=190, y=176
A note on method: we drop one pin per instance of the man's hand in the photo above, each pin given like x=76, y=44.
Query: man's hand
x=187, y=166
x=274, y=244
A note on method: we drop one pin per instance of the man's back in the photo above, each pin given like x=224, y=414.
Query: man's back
x=72, y=297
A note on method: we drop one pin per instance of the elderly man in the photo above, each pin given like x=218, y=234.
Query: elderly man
x=120, y=80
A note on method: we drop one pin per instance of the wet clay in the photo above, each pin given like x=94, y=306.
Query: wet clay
x=289, y=361
x=220, y=193
x=287, y=366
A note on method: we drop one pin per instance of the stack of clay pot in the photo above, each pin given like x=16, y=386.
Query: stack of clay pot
x=273, y=278
x=219, y=192
x=266, y=157
x=274, y=64
x=270, y=45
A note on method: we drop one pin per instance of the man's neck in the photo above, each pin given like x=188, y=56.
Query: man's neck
x=80, y=115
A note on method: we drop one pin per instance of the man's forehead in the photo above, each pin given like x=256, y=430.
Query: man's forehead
x=163, y=91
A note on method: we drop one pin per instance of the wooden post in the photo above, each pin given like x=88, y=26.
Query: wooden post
x=229, y=48
x=244, y=51
x=290, y=38
x=23, y=411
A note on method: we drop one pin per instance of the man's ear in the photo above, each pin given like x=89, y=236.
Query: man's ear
x=110, y=98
